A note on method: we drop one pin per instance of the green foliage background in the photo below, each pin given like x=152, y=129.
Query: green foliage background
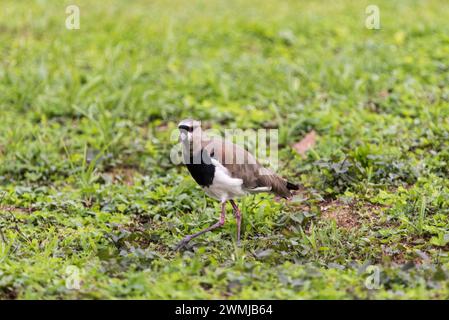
x=86, y=122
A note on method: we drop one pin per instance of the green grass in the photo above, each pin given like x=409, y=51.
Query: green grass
x=85, y=136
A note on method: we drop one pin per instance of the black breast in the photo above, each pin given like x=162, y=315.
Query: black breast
x=201, y=168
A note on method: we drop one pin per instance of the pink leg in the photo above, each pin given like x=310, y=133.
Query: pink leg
x=238, y=218
x=186, y=240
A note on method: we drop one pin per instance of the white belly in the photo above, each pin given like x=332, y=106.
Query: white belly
x=223, y=186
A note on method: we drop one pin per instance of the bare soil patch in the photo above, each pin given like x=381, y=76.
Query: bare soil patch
x=348, y=215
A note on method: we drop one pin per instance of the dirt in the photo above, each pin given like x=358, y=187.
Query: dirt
x=349, y=215
x=15, y=209
x=343, y=214
x=125, y=175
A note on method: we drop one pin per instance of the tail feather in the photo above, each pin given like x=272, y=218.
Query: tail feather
x=282, y=187
x=277, y=184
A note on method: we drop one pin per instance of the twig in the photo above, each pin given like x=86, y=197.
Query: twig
x=15, y=227
x=2, y=235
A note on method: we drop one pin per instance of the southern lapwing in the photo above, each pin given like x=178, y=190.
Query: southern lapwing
x=225, y=171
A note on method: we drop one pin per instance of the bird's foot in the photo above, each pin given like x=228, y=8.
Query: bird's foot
x=183, y=243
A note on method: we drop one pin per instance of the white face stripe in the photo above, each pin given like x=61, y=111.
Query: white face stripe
x=187, y=128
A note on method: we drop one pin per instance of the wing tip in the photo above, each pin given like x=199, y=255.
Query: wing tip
x=292, y=186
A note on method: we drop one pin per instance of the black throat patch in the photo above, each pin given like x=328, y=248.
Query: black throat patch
x=201, y=168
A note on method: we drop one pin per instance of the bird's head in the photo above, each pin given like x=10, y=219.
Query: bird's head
x=189, y=129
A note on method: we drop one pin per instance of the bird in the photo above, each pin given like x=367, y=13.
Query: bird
x=225, y=171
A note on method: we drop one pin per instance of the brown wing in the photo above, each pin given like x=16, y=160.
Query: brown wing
x=243, y=165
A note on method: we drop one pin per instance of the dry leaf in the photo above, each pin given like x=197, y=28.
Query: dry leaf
x=306, y=143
